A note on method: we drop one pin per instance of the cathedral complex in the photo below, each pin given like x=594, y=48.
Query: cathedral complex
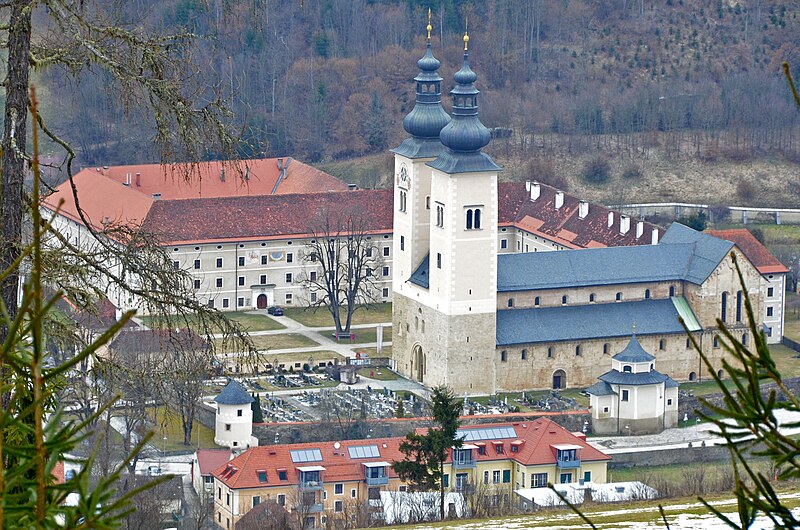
x=476, y=311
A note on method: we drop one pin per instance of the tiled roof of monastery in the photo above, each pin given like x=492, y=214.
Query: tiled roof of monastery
x=759, y=256
x=265, y=216
x=534, y=440
x=683, y=254
x=218, y=179
x=564, y=224
x=587, y=321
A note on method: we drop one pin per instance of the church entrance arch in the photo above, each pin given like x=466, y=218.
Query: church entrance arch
x=261, y=301
x=559, y=379
x=417, y=363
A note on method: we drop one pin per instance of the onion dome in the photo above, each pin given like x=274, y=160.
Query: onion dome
x=465, y=135
x=427, y=118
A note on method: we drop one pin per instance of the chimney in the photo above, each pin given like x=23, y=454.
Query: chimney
x=138, y=180
x=559, y=199
x=528, y=186
x=654, y=237
x=222, y=174
x=583, y=209
x=127, y=177
x=536, y=190
x=610, y=219
x=624, y=224
x=639, y=229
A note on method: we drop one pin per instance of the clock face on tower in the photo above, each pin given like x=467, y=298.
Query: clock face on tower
x=403, y=179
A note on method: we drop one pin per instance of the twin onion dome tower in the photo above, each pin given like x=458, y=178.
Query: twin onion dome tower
x=456, y=143
x=445, y=237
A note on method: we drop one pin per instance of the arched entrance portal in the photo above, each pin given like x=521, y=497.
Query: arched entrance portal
x=559, y=379
x=417, y=363
x=261, y=301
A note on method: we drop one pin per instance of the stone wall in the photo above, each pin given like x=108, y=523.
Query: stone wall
x=331, y=432
x=688, y=405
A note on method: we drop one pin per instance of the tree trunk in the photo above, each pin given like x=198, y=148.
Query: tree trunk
x=441, y=490
x=14, y=136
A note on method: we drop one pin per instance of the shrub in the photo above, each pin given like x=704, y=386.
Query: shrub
x=746, y=190
x=632, y=172
x=596, y=171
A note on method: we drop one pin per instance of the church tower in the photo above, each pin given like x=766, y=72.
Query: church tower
x=445, y=310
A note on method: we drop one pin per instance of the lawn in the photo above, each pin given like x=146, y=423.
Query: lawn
x=282, y=341
x=381, y=374
x=319, y=317
x=168, y=422
x=248, y=321
x=373, y=352
x=363, y=335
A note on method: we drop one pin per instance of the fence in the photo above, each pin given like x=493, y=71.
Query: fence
x=740, y=214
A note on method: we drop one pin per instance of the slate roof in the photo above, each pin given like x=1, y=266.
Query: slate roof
x=634, y=353
x=420, y=275
x=601, y=388
x=264, y=216
x=588, y=321
x=756, y=253
x=687, y=255
x=234, y=394
x=615, y=377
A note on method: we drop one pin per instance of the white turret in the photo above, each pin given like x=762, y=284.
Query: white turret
x=234, y=421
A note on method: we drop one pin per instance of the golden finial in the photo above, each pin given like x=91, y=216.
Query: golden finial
x=429, y=27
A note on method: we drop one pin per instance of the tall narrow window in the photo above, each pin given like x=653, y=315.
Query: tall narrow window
x=477, y=218
x=402, y=242
x=469, y=219
x=403, y=201
x=647, y=294
x=438, y=260
x=739, y=306
x=724, y=308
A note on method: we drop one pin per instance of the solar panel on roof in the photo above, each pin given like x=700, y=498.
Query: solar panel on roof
x=306, y=455
x=364, y=451
x=488, y=433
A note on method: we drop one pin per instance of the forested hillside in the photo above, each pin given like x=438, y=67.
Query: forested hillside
x=324, y=80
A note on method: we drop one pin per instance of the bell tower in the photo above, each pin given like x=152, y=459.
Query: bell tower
x=445, y=310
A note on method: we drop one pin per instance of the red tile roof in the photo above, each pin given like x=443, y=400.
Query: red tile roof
x=202, y=180
x=263, y=216
x=58, y=472
x=753, y=250
x=564, y=225
x=210, y=459
x=538, y=437
x=242, y=471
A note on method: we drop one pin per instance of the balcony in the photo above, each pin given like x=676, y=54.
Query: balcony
x=568, y=464
x=462, y=457
x=377, y=481
x=311, y=485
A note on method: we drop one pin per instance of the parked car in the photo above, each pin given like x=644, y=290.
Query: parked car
x=275, y=311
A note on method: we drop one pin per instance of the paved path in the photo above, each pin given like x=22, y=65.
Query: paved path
x=317, y=334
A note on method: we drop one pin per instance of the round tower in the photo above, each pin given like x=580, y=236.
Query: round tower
x=234, y=420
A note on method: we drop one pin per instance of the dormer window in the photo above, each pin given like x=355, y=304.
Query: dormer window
x=262, y=476
x=627, y=369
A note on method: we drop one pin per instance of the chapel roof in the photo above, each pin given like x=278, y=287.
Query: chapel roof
x=233, y=394
x=634, y=353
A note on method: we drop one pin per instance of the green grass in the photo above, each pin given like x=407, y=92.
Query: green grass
x=319, y=317
x=381, y=374
x=373, y=352
x=248, y=321
x=363, y=335
x=282, y=341
x=168, y=422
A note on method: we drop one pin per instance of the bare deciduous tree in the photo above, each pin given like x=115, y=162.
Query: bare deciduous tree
x=342, y=264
